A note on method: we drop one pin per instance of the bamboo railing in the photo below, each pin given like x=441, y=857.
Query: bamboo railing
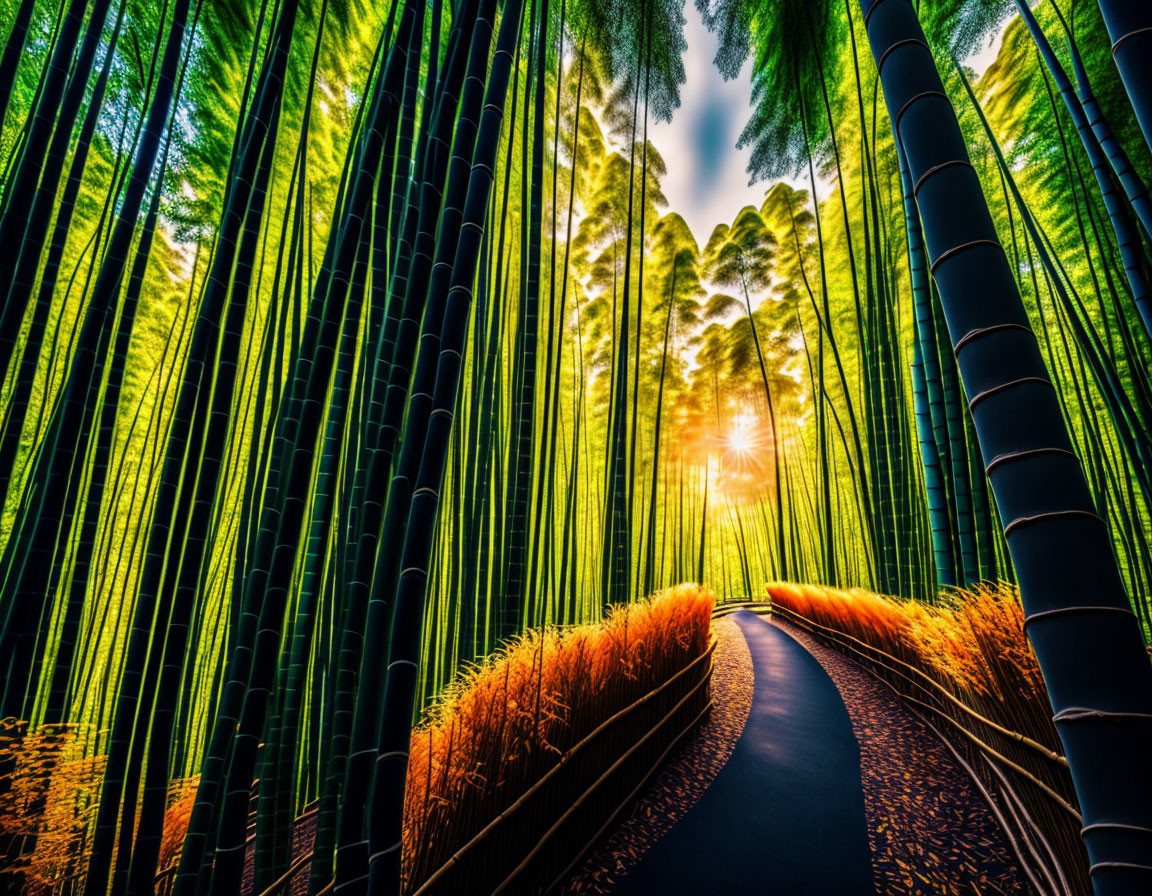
x=535, y=842
x=528, y=867
x=1026, y=784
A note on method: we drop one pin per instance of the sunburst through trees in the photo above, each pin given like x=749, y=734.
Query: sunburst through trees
x=343, y=342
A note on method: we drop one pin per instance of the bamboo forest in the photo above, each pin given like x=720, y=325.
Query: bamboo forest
x=576, y=447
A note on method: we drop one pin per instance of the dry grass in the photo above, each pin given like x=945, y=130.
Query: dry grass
x=973, y=646
x=502, y=725
x=181, y=799
x=47, y=803
x=495, y=732
x=49, y=793
x=972, y=643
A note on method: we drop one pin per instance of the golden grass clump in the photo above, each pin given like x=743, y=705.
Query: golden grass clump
x=996, y=710
x=48, y=796
x=181, y=799
x=504, y=723
x=972, y=643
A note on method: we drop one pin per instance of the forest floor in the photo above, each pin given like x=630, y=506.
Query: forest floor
x=684, y=779
x=809, y=777
x=831, y=787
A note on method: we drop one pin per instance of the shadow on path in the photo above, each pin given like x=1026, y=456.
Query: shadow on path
x=786, y=814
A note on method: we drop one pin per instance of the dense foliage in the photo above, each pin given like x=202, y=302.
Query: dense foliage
x=342, y=342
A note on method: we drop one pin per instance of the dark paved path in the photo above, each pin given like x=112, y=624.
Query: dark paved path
x=786, y=814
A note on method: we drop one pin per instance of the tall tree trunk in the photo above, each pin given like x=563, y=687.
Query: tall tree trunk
x=519, y=595
x=13, y=50
x=43, y=153
x=936, y=491
x=446, y=349
x=1079, y=621
x=1123, y=226
x=650, y=551
x=1134, y=187
x=1129, y=24
x=617, y=569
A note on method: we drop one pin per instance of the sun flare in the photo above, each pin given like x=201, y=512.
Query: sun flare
x=739, y=441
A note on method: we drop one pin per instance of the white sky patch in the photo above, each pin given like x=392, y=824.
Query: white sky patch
x=979, y=62
x=707, y=180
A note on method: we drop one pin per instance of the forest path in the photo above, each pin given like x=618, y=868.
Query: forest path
x=786, y=813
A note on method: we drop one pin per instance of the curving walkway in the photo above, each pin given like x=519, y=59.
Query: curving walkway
x=786, y=813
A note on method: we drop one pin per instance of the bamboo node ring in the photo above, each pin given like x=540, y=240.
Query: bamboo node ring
x=910, y=102
x=1127, y=866
x=908, y=41
x=980, y=332
x=1000, y=459
x=935, y=169
x=1043, y=614
x=1081, y=714
x=871, y=9
x=1125, y=37
x=1011, y=384
x=1022, y=521
x=383, y=852
x=1116, y=825
x=955, y=250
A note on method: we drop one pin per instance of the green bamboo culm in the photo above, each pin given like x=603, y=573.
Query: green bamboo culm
x=1080, y=622
x=387, y=802
x=1130, y=30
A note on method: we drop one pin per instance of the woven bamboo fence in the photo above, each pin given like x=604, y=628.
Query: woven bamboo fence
x=534, y=843
x=1026, y=784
